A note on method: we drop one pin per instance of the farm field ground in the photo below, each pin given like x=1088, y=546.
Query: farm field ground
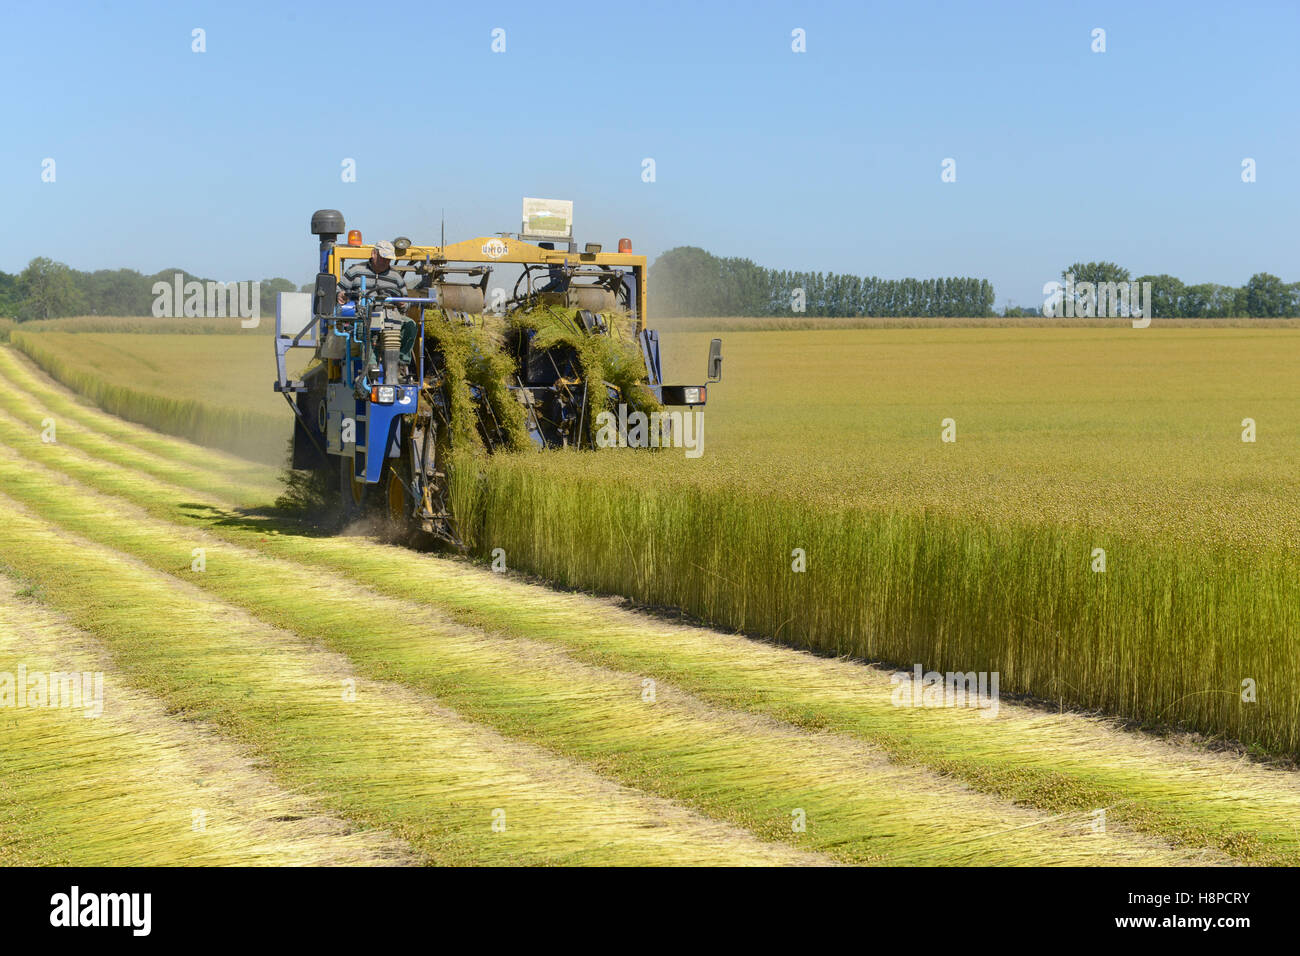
x=476, y=717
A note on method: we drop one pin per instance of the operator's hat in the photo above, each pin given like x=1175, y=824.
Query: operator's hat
x=385, y=249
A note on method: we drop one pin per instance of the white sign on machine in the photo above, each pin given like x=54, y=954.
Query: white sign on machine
x=548, y=219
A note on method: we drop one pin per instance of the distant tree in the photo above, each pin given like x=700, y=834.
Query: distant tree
x=1098, y=273
x=1196, y=301
x=688, y=280
x=1221, y=301
x=1237, y=300
x=9, y=295
x=1267, y=296
x=114, y=292
x=1167, y=295
x=48, y=289
x=269, y=289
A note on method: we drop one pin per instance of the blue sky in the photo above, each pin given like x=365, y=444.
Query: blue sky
x=828, y=159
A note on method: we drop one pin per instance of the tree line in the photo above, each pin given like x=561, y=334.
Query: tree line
x=51, y=290
x=688, y=281
x=1264, y=296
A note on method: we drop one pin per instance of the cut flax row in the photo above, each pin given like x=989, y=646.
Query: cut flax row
x=726, y=765
x=250, y=434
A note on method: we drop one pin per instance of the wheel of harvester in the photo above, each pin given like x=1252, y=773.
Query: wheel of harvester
x=352, y=493
x=399, y=506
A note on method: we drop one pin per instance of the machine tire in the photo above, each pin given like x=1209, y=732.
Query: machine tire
x=352, y=495
x=397, y=503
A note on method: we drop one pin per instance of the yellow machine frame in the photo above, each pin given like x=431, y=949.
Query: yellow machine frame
x=488, y=250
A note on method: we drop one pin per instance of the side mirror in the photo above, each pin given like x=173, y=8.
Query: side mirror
x=323, y=299
x=715, y=360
